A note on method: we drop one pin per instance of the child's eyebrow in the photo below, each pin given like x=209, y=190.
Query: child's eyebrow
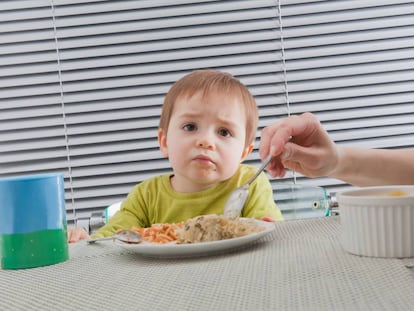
x=226, y=121
x=229, y=122
x=188, y=115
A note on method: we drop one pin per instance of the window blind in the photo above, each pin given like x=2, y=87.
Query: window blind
x=82, y=82
x=350, y=62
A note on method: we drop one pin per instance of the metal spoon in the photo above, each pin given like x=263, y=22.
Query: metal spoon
x=126, y=236
x=237, y=198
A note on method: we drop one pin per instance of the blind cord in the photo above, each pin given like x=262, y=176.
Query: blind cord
x=64, y=115
x=284, y=66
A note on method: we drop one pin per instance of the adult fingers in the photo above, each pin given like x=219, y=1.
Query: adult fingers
x=275, y=136
x=275, y=168
x=309, y=161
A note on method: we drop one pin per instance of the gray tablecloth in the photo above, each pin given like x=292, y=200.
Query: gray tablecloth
x=300, y=266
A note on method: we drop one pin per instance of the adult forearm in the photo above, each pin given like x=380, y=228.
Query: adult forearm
x=369, y=167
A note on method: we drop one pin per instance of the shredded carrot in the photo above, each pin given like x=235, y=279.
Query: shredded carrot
x=159, y=233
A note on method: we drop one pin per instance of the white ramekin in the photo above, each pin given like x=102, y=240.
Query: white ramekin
x=377, y=222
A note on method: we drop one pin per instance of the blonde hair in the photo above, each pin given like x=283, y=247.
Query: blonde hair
x=207, y=81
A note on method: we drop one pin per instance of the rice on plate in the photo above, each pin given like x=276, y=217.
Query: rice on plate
x=213, y=227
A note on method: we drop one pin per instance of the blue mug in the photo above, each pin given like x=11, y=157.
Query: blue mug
x=33, y=228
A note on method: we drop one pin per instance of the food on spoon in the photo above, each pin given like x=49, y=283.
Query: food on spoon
x=214, y=228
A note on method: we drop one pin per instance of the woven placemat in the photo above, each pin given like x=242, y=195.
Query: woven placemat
x=300, y=266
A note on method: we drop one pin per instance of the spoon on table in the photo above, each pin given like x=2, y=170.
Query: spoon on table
x=126, y=236
x=237, y=198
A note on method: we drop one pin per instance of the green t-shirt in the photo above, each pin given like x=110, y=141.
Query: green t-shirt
x=155, y=201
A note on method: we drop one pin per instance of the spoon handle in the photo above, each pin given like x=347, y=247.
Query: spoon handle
x=261, y=168
x=91, y=241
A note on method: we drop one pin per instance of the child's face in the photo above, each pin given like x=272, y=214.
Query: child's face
x=205, y=141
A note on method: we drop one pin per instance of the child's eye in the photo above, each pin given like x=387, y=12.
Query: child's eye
x=189, y=127
x=224, y=132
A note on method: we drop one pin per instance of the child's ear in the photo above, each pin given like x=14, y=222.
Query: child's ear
x=162, y=141
x=247, y=151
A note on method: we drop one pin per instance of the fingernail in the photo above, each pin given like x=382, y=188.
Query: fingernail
x=272, y=150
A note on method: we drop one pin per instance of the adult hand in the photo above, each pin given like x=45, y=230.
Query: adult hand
x=299, y=143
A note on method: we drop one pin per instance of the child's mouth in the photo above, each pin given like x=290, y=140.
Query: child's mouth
x=203, y=159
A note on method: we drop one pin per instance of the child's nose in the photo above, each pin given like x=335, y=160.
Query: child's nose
x=205, y=141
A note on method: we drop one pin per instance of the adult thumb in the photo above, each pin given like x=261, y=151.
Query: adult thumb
x=294, y=152
x=287, y=152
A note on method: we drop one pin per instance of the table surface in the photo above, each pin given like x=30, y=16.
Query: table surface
x=299, y=266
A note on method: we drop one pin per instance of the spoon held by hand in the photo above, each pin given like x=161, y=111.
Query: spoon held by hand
x=237, y=198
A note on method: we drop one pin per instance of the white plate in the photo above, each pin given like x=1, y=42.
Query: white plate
x=196, y=249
